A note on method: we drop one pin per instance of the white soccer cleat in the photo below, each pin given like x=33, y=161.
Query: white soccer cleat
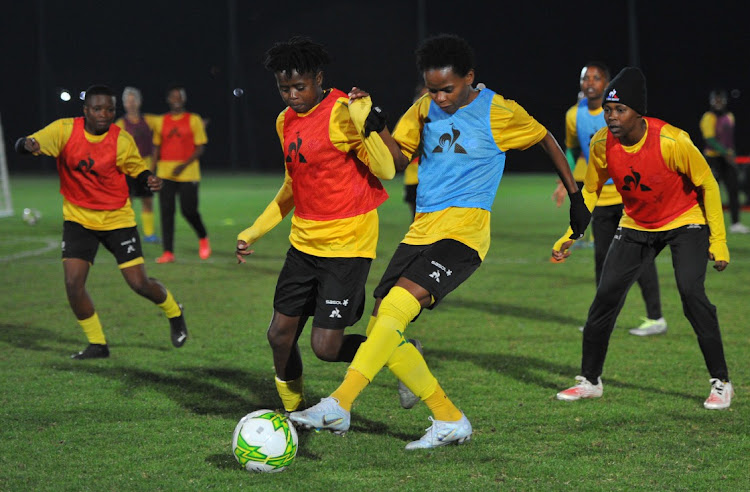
x=584, y=389
x=325, y=415
x=650, y=327
x=721, y=395
x=442, y=433
x=739, y=228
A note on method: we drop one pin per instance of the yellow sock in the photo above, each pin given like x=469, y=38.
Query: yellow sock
x=441, y=406
x=170, y=307
x=92, y=327
x=148, y=223
x=353, y=384
x=408, y=365
x=370, y=325
x=396, y=311
x=291, y=393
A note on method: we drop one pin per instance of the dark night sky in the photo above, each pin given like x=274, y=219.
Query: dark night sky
x=528, y=51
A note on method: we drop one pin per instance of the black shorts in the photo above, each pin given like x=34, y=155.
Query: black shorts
x=439, y=267
x=137, y=190
x=82, y=243
x=410, y=193
x=330, y=289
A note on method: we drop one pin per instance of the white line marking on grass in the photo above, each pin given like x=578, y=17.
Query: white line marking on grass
x=49, y=245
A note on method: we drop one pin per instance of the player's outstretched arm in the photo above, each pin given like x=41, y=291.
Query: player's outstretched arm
x=370, y=121
x=27, y=146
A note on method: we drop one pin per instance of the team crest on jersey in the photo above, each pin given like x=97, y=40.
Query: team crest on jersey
x=86, y=166
x=448, y=141
x=612, y=96
x=293, y=152
x=633, y=182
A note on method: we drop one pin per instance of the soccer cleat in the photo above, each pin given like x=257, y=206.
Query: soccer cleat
x=442, y=433
x=721, y=395
x=405, y=396
x=650, y=327
x=204, y=248
x=739, y=228
x=93, y=351
x=552, y=259
x=166, y=257
x=178, y=329
x=584, y=389
x=326, y=415
x=153, y=238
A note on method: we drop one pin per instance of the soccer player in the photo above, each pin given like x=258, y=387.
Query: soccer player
x=463, y=134
x=717, y=127
x=93, y=158
x=582, y=121
x=141, y=127
x=179, y=140
x=331, y=182
x=671, y=199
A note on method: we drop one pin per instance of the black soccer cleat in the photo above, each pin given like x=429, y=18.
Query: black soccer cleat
x=93, y=351
x=178, y=329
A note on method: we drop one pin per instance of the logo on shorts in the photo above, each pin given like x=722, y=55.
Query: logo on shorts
x=335, y=313
x=130, y=244
x=63, y=245
x=447, y=271
x=344, y=303
x=435, y=275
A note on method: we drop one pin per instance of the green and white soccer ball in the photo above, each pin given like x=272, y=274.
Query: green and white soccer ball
x=264, y=441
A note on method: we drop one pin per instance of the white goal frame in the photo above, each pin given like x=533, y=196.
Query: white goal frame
x=6, y=205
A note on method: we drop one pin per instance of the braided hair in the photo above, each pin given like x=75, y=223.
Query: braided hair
x=299, y=53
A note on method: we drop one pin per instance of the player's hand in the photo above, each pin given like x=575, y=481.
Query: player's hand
x=242, y=251
x=719, y=265
x=32, y=145
x=357, y=93
x=563, y=252
x=558, y=196
x=580, y=216
x=154, y=183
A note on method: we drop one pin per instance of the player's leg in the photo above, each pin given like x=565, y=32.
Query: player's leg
x=189, y=210
x=167, y=196
x=627, y=253
x=125, y=246
x=283, y=335
x=340, y=303
x=689, y=245
x=79, y=250
x=293, y=302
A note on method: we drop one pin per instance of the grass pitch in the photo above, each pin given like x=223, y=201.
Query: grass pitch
x=152, y=417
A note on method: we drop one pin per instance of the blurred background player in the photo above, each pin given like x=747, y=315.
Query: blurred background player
x=411, y=173
x=582, y=121
x=332, y=184
x=93, y=157
x=141, y=127
x=671, y=200
x=464, y=134
x=717, y=127
x=179, y=140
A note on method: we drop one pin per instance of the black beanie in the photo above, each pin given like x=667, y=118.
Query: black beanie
x=628, y=88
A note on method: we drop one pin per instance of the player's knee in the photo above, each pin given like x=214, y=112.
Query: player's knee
x=326, y=352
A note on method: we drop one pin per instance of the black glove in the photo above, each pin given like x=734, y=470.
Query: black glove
x=19, y=146
x=142, y=180
x=375, y=121
x=579, y=215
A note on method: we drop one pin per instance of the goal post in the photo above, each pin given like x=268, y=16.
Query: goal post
x=6, y=206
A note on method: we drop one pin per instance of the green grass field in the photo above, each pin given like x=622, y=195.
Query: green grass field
x=152, y=417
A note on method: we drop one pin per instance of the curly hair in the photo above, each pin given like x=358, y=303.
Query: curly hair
x=98, y=90
x=445, y=50
x=299, y=53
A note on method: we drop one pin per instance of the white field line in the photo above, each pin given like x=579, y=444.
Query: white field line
x=49, y=245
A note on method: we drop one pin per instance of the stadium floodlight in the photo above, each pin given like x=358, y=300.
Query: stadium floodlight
x=64, y=95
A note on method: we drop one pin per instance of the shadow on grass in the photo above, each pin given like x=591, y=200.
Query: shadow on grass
x=35, y=338
x=514, y=311
x=539, y=372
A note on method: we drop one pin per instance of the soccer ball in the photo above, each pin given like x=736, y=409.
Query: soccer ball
x=31, y=216
x=264, y=441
